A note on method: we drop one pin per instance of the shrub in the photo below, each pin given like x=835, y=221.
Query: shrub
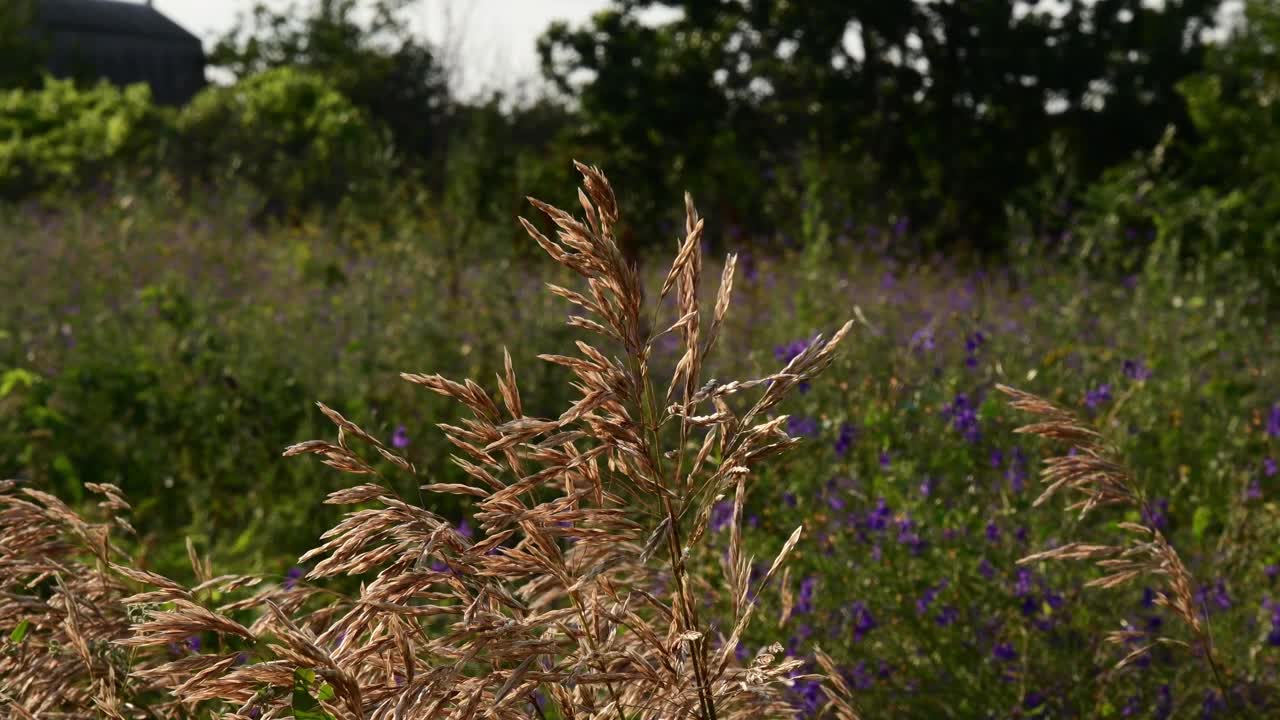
x=60, y=135
x=287, y=132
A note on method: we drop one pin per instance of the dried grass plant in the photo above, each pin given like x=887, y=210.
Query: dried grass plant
x=1097, y=473
x=64, y=606
x=577, y=600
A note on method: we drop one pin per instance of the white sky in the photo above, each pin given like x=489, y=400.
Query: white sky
x=494, y=39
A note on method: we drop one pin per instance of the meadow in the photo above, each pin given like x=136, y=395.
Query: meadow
x=174, y=350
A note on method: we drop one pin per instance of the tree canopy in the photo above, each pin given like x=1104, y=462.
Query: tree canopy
x=952, y=107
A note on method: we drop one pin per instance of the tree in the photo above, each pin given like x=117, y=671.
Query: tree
x=950, y=103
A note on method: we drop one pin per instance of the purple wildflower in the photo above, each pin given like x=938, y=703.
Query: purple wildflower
x=400, y=438
x=1022, y=585
x=927, y=485
x=1273, y=421
x=947, y=616
x=863, y=621
x=1157, y=515
x=1213, y=702
x=1254, y=491
x=931, y=594
x=993, y=532
x=721, y=515
x=1219, y=595
x=844, y=441
x=811, y=696
x=1004, y=651
x=878, y=518
x=1098, y=396
x=1136, y=370
x=1273, y=637
x=1164, y=703
x=861, y=678
x=971, y=346
x=908, y=536
x=790, y=351
x=804, y=603
x=1269, y=467
x=799, y=426
x=291, y=577
x=1017, y=473
x=922, y=339
x=964, y=418
x=900, y=226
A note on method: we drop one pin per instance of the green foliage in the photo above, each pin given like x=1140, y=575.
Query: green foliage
x=290, y=134
x=306, y=705
x=61, y=136
x=379, y=64
x=166, y=345
x=1208, y=197
x=19, y=632
x=950, y=106
x=494, y=153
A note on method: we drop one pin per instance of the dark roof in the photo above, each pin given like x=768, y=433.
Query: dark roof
x=110, y=16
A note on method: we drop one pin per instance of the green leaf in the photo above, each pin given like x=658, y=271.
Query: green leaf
x=12, y=378
x=243, y=541
x=303, y=677
x=1200, y=521
x=20, y=633
x=306, y=707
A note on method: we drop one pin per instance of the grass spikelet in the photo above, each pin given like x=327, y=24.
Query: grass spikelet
x=1096, y=473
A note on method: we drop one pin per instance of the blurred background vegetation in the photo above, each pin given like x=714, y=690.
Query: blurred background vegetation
x=1084, y=201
